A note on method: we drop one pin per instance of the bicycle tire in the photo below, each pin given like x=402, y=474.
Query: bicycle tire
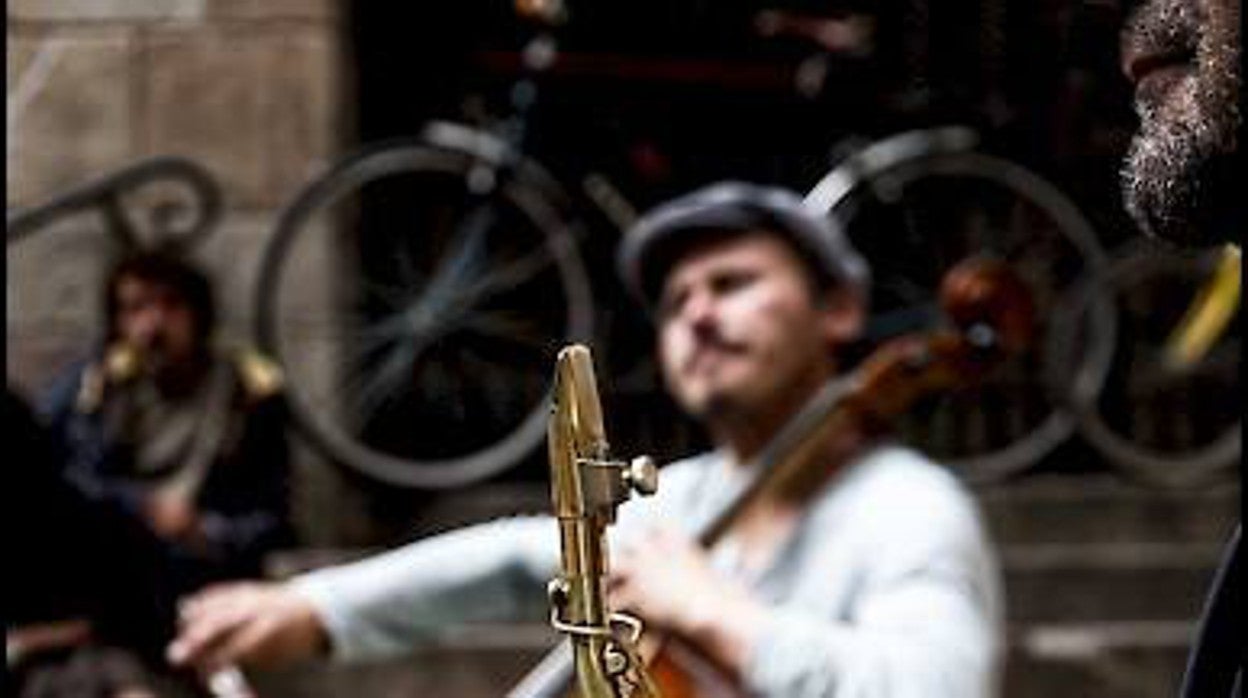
x=522, y=193
x=884, y=174
x=1203, y=459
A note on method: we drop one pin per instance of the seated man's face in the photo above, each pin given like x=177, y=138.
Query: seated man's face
x=156, y=320
x=1183, y=56
x=740, y=332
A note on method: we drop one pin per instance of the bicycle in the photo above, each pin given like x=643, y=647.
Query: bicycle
x=1101, y=370
x=454, y=329
x=489, y=289
x=494, y=283
x=935, y=195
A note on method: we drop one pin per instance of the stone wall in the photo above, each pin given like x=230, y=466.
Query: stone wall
x=251, y=89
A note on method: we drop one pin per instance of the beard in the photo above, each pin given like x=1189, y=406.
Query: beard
x=712, y=401
x=1182, y=165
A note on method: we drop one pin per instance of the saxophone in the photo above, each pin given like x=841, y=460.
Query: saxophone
x=586, y=488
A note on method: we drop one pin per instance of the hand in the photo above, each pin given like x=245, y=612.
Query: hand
x=257, y=624
x=668, y=580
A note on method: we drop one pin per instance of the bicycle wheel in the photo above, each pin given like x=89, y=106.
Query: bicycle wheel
x=1168, y=426
x=917, y=203
x=415, y=297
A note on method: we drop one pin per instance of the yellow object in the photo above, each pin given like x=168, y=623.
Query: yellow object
x=1209, y=314
x=122, y=362
x=260, y=375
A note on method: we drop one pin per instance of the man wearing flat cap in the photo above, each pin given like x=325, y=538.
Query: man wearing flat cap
x=881, y=583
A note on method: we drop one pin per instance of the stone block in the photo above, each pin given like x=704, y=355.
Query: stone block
x=1106, y=509
x=464, y=672
x=312, y=10
x=53, y=308
x=19, y=50
x=302, y=113
x=36, y=354
x=329, y=507
x=1108, y=660
x=231, y=255
x=106, y=10
x=204, y=92
x=69, y=110
x=1114, y=582
x=1121, y=661
x=254, y=105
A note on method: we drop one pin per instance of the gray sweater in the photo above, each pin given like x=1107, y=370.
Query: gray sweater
x=887, y=587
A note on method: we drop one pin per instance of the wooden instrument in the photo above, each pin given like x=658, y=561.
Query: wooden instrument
x=992, y=317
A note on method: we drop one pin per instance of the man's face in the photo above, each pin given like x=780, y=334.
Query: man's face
x=1183, y=56
x=741, y=333
x=156, y=320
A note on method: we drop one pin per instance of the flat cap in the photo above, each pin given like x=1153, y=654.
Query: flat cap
x=655, y=242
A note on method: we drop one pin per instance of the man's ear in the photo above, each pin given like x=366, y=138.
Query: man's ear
x=842, y=314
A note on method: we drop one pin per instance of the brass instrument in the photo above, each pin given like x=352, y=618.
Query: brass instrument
x=992, y=318
x=586, y=487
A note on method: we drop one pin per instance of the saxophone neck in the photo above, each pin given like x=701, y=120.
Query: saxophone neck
x=587, y=487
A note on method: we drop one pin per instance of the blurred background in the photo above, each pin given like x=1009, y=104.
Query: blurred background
x=412, y=206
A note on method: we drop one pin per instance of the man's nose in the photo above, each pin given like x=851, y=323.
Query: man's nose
x=148, y=325
x=701, y=312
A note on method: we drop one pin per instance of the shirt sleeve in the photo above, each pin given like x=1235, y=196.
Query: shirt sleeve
x=925, y=621
x=389, y=604
x=492, y=572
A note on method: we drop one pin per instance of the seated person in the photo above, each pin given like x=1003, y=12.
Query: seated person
x=166, y=429
x=880, y=583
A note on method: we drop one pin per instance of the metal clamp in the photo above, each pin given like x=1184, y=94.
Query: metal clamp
x=631, y=623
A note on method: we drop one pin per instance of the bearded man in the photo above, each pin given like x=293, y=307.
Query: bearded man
x=1182, y=182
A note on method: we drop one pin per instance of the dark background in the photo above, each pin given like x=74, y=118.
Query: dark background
x=664, y=96
x=693, y=85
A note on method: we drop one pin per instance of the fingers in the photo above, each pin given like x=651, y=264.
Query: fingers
x=194, y=644
x=209, y=621
x=623, y=580
x=250, y=624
